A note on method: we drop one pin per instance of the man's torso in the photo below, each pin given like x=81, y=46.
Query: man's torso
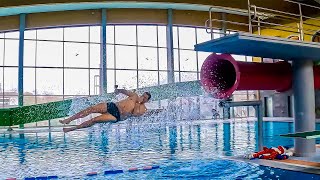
x=130, y=107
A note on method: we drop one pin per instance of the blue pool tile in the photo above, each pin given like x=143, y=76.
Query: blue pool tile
x=52, y=177
x=29, y=178
x=42, y=178
x=113, y=172
x=155, y=167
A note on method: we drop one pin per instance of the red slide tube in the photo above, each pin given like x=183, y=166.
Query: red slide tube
x=221, y=75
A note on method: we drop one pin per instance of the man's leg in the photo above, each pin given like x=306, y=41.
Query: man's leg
x=99, y=119
x=99, y=108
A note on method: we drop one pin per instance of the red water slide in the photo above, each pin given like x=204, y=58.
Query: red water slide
x=221, y=75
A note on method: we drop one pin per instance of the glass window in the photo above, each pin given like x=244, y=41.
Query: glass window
x=147, y=35
x=252, y=95
x=78, y=85
x=95, y=34
x=29, y=100
x=46, y=99
x=110, y=34
x=110, y=80
x=148, y=78
x=50, y=34
x=46, y=122
x=249, y=58
x=126, y=57
x=1, y=81
x=110, y=56
x=94, y=55
x=188, y=76
x=202, y=35
x=163, y=59
x=176, y=59
x=76, y=55
x=49, y=54
x=176, y=77
x=239, y=57
x=252, y=112
x=94, y=82
x=201, y=58
x=187, y=38
x=11, y=56
x=29, y=80
x=49, y=81
x=10, y=81
x=163, y=77
x=126, y=79
x=29, y=53
x=125, y=34
x=147, y=58
x=217, y=34
x=11, y=101
x=30, y=125
x=175, y=37
x=1, y=51
x=162, y=36
x=12, y=35
x=240, y=95
x=188, y=60
x=30, y=34
x=78, y=34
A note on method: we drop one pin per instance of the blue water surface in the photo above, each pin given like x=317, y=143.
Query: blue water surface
x=183, y=149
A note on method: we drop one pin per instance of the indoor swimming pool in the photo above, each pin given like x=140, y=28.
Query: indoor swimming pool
x=182, y=149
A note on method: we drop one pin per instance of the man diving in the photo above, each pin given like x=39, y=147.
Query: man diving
x=133, y=105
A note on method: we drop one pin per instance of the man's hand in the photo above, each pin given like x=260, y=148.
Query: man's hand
x=116, y=91
x=125, y=92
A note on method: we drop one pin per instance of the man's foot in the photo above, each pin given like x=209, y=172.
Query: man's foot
x=66, y=121
x=65, y=130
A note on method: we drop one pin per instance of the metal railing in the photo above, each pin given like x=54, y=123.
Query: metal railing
x=265, y=18
x=209, y=22
x=303, y=28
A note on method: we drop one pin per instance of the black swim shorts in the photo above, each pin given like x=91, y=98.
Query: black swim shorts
x=113, y=110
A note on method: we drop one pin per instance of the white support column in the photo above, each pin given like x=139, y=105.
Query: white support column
x=170, y=56
x=22, y=27
x=103, y=51
x=304, y=106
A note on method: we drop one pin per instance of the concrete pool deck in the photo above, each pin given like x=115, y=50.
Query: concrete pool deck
x=301, y=164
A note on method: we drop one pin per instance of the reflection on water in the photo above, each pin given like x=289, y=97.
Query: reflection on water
x=134, y=143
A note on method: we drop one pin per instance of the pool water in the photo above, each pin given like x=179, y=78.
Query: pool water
x=189, y=149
